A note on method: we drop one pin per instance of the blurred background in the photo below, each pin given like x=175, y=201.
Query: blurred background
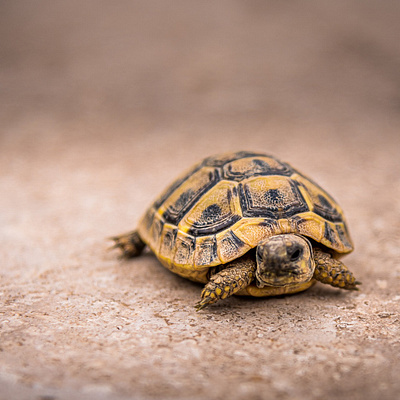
x=238, y=66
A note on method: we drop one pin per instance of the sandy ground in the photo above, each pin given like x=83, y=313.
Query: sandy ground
x=101, y=105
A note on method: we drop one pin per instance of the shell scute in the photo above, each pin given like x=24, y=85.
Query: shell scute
x=221, y=159
x=243, y=168
x=252, y=230
x=215, y=211
x=167, y=242
x=153, y=238
x=206, y=252
x=230, y=246
x=344, y=237
x=322, y=204
x=309, y=224
x=184, y=249
x=273, y=197
x=180, y=200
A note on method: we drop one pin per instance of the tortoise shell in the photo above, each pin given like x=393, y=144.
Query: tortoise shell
x=226, y=204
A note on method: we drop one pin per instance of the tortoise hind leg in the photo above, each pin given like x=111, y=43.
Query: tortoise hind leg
x=130, y=244
x=333, y=272
x=234, y=277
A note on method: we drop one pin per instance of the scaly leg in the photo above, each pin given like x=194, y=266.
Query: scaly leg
x=235, y=276
x=130, y=244
x=333, y=272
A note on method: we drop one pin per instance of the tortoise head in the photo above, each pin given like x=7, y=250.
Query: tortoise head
x=284, y=260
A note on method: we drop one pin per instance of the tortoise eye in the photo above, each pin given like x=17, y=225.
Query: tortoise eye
x=296, y=255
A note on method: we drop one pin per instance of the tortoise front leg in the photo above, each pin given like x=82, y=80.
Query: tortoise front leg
x=234, y=277
x=130, y=244
x=333, y=272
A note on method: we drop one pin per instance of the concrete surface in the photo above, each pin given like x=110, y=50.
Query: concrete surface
x=101, y=105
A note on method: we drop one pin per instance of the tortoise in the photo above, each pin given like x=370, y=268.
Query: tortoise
x=245, y=223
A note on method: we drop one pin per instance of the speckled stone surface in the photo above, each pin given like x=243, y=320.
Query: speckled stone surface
x=102, y=105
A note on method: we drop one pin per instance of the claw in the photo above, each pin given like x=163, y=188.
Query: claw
x=355, y=286
x=202, y=304
x=116, y=245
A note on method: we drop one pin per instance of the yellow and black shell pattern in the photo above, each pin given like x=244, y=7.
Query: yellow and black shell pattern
x=225, y=205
